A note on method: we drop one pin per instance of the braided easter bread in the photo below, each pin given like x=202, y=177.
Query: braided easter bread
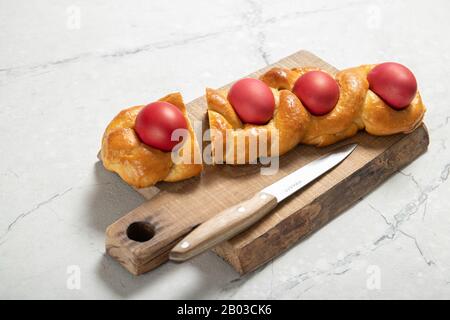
x=287, y=123
x=139, y=164
x=356, y=108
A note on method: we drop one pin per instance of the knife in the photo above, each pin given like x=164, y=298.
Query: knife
x=236, y=219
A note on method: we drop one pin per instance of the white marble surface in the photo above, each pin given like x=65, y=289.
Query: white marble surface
x=60, y=85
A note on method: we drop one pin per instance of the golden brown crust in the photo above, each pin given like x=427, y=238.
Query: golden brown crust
x=380, y=119
x=357, y=108
x=343, y=120
x=288, y=119
x=282, y=78
x=139, y=164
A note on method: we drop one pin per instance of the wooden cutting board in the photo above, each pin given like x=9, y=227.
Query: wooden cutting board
x=142, y=239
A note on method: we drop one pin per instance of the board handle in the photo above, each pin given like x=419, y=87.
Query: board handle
x=223, y=226
x=142, y=239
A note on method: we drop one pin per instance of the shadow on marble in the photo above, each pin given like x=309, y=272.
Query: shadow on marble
x=209, y=274
x=110, y=199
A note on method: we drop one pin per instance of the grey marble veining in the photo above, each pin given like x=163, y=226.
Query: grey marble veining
x=66, y=68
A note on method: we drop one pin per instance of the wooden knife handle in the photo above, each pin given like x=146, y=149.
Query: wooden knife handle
x=223, y=226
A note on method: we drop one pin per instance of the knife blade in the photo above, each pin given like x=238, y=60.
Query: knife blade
x=236, y=219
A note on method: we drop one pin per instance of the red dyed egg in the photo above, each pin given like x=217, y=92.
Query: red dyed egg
x=252, y=100
x=156, y=122
x=394, y=83
x=318, y=92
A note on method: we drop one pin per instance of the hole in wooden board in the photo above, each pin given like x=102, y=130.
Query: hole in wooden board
x=140, y=231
